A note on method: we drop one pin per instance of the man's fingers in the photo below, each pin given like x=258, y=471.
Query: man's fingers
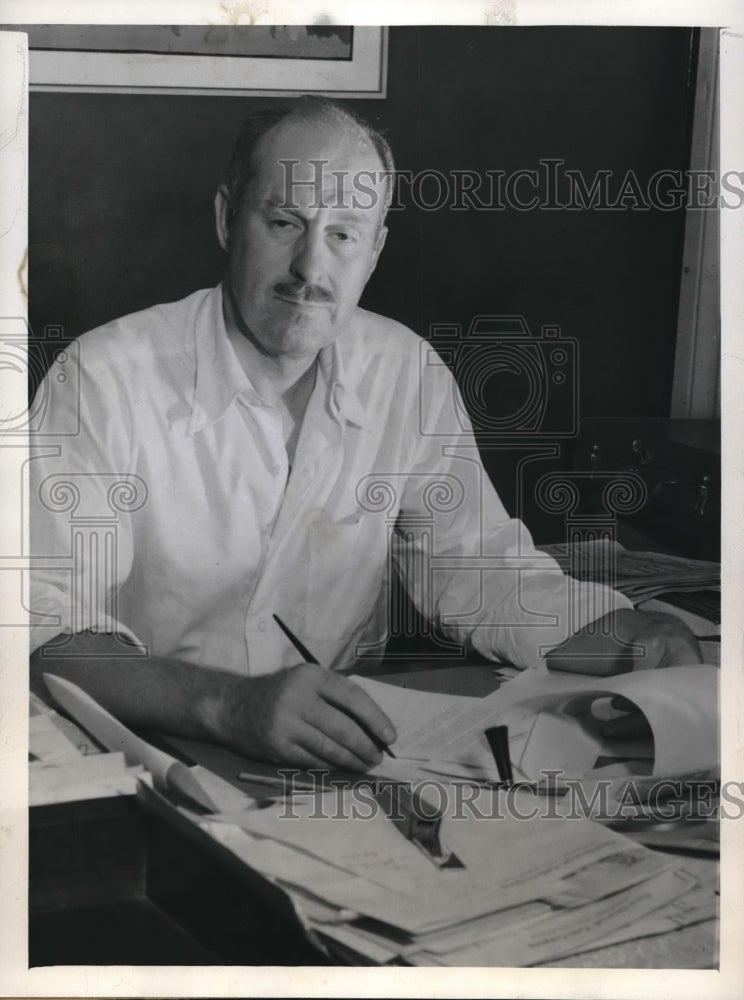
x=347, y=696
x=666, y=642
x=307, y=715
x=350, y=743
x=300, y=756
x=306, y=743
x=681, y=650
x=345, y=731
x=338, y=753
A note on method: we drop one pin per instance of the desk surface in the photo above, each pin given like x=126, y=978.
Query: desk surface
x=693, y=947
x=117, y=859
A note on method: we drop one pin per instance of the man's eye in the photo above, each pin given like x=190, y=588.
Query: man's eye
x=342, y=237
x=282, y=224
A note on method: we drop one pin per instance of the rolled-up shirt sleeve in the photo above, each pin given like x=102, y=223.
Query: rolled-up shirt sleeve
x=81, y=494
x=471, y=567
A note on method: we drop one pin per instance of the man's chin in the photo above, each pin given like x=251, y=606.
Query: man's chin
x=304, y=337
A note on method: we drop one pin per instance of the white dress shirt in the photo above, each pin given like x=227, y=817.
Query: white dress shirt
x=163, y=507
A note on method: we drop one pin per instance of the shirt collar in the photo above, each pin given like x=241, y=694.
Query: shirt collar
x=342, y=399
x=219, y=378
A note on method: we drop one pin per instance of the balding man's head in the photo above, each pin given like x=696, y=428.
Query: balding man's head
x=309, y=109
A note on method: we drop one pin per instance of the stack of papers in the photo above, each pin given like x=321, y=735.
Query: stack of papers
x=64, y=767
x=533, y=885
x=555, y=726
x=638, y=575
x=531, y=890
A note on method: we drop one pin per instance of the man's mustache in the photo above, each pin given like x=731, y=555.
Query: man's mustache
x=302, y=292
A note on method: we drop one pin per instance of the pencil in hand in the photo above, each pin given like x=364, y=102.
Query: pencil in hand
x=309, y=658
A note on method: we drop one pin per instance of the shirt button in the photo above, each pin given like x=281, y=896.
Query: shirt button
x=262, y=625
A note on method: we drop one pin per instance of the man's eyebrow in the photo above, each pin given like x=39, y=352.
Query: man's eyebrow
x=356, y=215
x=342, y=213
x=280, y=203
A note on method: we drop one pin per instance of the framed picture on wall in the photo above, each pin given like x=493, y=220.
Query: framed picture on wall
x=239, y=60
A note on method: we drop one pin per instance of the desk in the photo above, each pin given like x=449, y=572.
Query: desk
x=122, y=882
x=148, y=889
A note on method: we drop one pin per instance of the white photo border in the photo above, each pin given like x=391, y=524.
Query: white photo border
x=16, y=979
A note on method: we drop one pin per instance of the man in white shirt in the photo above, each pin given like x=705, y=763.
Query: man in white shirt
x=266, y=448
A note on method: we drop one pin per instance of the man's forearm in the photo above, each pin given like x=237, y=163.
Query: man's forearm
x=304, y=715
x=150, y=692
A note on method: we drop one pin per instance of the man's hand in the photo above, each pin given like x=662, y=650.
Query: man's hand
x=662, y=640
x=630, y=640
x=307, y=716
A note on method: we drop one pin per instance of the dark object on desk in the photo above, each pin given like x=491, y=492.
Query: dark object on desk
x=111, y=884
x=706, y=603
x=498, y=741
x=680, y=463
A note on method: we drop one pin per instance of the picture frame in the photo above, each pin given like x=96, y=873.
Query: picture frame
x=215, y=60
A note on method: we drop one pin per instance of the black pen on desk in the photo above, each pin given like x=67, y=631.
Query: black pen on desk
x=498, y=741
x=308, y=656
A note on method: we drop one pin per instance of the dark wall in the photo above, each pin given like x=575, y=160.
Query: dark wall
x=122, y=189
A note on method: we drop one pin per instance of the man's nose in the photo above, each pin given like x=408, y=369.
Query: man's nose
x=308, y=262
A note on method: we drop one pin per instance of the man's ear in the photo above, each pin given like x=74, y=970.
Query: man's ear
x=222, y=214
x=379, y=244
